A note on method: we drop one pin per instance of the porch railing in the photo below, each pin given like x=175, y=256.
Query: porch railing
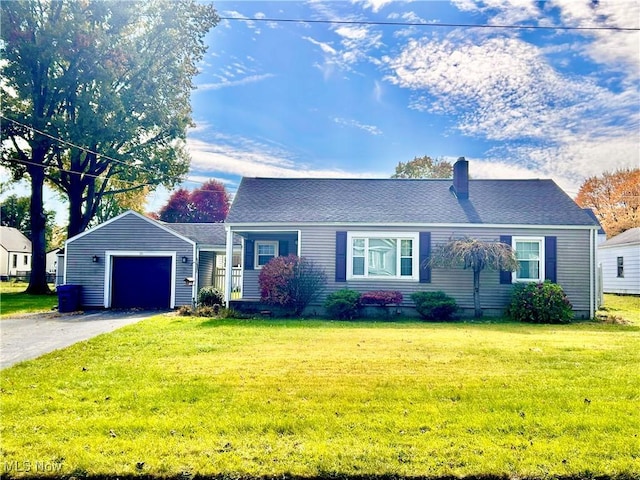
x=236, y=281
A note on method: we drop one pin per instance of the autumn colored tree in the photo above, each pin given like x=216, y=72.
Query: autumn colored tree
x=614, y=198
x=476, y=255
x=207, y=204
x=424, y=167
x=94, y=91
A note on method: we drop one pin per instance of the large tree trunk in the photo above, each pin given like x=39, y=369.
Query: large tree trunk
x=476, y=294
x=38, y=280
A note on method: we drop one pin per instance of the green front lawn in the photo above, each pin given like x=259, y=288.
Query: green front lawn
x=175, y=396
x=13, y=300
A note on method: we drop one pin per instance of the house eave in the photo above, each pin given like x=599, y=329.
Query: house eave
x=295, y=226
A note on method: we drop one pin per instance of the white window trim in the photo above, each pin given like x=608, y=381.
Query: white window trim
x=541, y=272
x=415, y=261
x=276, y=245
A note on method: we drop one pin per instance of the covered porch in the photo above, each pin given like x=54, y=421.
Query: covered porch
x=258, y=247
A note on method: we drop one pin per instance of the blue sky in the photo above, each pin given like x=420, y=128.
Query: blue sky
x=282, y=99
x=352, y=100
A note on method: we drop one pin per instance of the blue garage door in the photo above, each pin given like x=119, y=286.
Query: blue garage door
x=141, y=282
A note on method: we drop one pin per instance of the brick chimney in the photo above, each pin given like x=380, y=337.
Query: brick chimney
x=461, y=179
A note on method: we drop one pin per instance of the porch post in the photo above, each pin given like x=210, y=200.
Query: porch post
x=228, y=271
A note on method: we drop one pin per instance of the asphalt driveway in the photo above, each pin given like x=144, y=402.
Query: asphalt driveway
x=31, y=335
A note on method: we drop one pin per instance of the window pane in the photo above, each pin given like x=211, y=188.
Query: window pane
x=406, y=266
x=529, y=270
x=382, y=256
x=406, y=248
x=358, y=265
x=266, y=249
x=527, y=250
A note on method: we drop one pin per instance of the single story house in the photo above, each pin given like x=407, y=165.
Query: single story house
x=15, y=254
x=619, y=259
x=377, y=234
x=132, y=261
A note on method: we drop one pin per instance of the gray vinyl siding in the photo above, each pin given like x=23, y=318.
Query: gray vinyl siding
x=127, y=233
x=318, y=244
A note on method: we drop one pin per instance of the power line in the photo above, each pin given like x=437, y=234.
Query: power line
x=84, y=149
x=438, y=25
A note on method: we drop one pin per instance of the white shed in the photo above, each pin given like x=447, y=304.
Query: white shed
x=620, y=260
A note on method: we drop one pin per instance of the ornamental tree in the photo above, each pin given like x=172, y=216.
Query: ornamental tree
x=476, y=255
x=207, y=204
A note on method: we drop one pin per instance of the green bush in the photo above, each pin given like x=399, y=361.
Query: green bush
x=540, y=303
x=343, y=304
x=434, y=305
x=210, y=296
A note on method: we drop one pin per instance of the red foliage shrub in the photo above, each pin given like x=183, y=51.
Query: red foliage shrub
x=381, y=298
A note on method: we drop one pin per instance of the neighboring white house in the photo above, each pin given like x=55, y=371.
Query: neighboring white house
x=620, y=261
x=15, y=253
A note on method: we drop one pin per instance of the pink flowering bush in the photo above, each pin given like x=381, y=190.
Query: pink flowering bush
x=381, y=298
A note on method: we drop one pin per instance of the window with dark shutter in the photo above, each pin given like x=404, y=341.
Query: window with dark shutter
x=341, y=256
x=248, y=254
x=550, y=258
x=425, y=256
x=505, y=275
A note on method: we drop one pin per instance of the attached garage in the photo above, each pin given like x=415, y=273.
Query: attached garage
x=132, y=261
x=141, y=282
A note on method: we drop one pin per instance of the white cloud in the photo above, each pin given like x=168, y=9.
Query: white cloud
x=371, y=129
x=325, y=47
x=233, y=83
x=374, y=5
x=243, y=157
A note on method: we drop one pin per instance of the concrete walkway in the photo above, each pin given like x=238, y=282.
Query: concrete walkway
x=31, y=335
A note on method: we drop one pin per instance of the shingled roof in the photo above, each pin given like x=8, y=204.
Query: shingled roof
x=13, y=240
x=628, y=237
x=204, y=234
x=388, y=201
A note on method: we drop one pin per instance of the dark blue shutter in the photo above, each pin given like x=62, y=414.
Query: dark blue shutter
x=425, y=256
x=341, y=256
x=505, y=276
x=550, y=258
x=248, y=254
x=283, y=248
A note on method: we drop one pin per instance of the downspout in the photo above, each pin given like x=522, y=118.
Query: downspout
x=228, y=271
x=194, y=274
x=592, y=273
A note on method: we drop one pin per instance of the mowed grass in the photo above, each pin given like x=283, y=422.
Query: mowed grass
x=13, y=300
x=626, y=307
x=179, y=396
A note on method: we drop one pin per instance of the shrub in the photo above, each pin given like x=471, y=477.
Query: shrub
x=208, y=310
x=343, y=304
x=540, y=303
x=185, y=310
x=434, y=305
x=210, y=296
x=291, y=282
x=381, y=298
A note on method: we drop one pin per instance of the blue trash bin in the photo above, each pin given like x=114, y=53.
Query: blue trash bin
x=68, y=298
